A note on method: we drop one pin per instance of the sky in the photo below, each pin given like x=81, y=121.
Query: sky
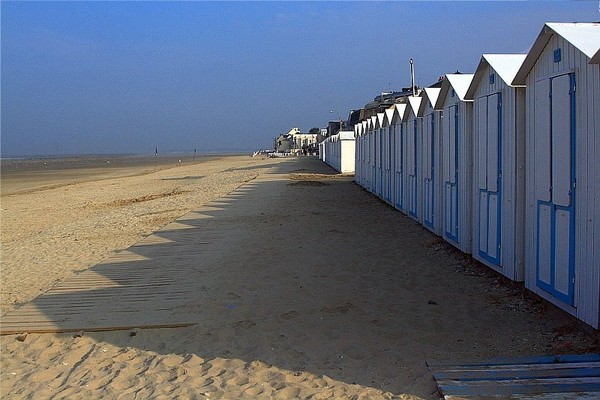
x=126, y=77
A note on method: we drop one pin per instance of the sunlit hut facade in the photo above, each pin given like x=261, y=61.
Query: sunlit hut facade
x=379, y=150
x=412, y=157
x=562, y=248
x=456, y=160
x=498, y=164
x=388, y=154
x=398, y=140
x=339, y=150
x=431, y=120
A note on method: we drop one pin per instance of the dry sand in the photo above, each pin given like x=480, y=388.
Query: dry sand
x=332, y=294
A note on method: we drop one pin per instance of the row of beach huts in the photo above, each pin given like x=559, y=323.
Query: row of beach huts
x=504, y=163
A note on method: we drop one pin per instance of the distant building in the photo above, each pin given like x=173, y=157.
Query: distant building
x=295, y=141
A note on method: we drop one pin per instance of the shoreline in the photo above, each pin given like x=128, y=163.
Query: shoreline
x=30, y=175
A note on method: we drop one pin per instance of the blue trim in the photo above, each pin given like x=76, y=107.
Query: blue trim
x=431, y=213
x=448, y=233
x=414, y=198
x=389, y=162
x=399, y=187
x=568, y=298
x=498, y=192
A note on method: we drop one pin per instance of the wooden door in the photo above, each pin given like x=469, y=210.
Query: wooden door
x=554, y=147
x=451, y=159
x=489, y=176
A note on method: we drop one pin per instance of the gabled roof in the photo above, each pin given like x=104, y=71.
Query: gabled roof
x=596, y=58
x=505, y=65
x=380, y=120
x=414, y=102
x=373, y=122
x=585, y=36
x=430, y=96
x=399, y=110
x=389, y=115
x=459, y=82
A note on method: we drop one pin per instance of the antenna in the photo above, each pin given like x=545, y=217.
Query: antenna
x=412, y=77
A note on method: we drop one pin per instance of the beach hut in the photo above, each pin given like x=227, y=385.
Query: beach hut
x=388, y=165
x=430, y=159
x=456, y=160
x=364, y=153
x=340, y=151
x=413, y=157
x=562, y=255
x=397, y=124
x=498, y=164
x=379, y=152
x=358, y=153
x=372, y=154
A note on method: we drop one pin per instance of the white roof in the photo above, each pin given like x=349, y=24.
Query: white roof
x=399, y=111
x=585, y=36
x=380, y=119
x=431, y=95
x=505, y=65
x=414, y=103
x=373, y=122
x=389, y=114
x=459, y=82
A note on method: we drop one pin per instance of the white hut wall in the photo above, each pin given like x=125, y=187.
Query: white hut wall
x=563, y=180
x=431, y=151
x=399, y=146
x=457, y=172
x=391, y=164
x=413, y=164
x=498, y=194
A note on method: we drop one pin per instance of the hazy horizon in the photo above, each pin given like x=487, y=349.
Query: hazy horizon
x=126, y=77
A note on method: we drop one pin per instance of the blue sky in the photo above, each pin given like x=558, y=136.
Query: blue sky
x=124, y=77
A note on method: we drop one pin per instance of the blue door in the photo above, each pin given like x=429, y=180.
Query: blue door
x=554, y=181
x=489, y=176
x=451, y=136
x=399, y=174
x=429, y=170
x=412, y=174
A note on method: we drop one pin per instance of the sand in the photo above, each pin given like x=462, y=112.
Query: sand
x=327, y=293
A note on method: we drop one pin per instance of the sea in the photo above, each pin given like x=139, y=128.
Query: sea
x=33, y=172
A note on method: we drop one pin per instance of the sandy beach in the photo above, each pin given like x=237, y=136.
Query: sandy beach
x=314, y=288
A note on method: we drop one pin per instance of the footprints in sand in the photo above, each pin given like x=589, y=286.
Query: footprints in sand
x=340, y=308
x=289, y=315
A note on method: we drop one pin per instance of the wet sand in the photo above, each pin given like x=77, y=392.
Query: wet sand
x=327, y=293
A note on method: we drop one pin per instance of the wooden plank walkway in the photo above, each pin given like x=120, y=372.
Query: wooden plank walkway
x=539, y=378
x=153, y=284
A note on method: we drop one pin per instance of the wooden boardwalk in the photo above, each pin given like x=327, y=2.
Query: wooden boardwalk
x=540, y=378
x=153, y=284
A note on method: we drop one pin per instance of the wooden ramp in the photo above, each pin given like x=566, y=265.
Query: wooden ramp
x=539, y=378
x=153, y=284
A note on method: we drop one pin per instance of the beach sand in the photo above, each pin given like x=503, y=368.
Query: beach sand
x=328, y=293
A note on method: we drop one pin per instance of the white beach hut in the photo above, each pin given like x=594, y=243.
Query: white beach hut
x=413, y=158
x=430, y=160
x=379, y=152
x=456, y=160
x=399, y=139
x=562, y=251
x=498, y=164
x=373, y=153
x=358, y=153
x=364, y=153
x=388, y=164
